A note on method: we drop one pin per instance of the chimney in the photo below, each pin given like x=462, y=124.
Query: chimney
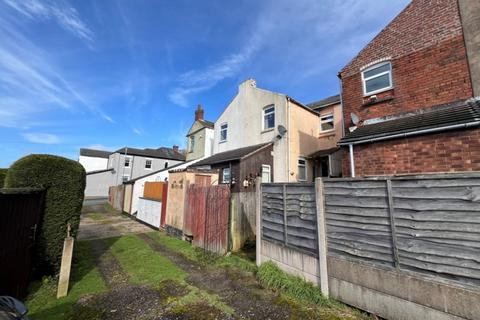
x=199, y=113
x=175, y=148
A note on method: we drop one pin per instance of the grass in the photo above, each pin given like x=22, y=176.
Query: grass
x=43, y=303
x=200, y=256
x=141, y=263
x=96, y=216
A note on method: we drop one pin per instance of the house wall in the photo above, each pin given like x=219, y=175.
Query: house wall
x=329, y=140
x=93, y=163
x=303, y=138
x=470, y=13
x=451, y=151
x=98, y=183
x=244, y=116
x=203, y=142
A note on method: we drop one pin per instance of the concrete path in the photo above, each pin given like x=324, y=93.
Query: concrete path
x=99, y=222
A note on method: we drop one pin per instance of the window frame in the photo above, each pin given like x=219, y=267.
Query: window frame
x=151, y=163
x=265, y=114
x=330, y=114
x=191, y=143
x=229, y=175
x=375, y=66
x=125, y=177
x=225, y=124
x=267, y=166
x=298, y=168
x=129, y=162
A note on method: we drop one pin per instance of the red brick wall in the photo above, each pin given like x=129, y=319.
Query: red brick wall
x=451, y=151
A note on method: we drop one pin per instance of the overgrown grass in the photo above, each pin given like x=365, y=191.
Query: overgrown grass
x=95, y=216
x=200, y=256
x=141, y=263
x=42, y=301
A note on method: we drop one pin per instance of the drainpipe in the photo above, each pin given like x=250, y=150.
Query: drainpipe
x=352, y=161
x=287, y=140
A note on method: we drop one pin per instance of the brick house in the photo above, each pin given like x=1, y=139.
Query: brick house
x=408, y=96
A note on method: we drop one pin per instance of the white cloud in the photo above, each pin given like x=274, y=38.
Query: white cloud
x=99, y=146
x=43, y=138
x=66, y=16
x=137, y=131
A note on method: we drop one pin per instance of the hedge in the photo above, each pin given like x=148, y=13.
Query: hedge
x=64, y=182
x=3, y=173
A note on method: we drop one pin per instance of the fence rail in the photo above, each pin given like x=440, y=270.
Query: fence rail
x=427, y=224
x=289, y=215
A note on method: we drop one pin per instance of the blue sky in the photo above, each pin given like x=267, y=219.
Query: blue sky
x=106, y=74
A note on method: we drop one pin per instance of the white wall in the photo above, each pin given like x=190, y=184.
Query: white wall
x=98, y=184
x=209, y=140
x=93, y=163
x=244, y=116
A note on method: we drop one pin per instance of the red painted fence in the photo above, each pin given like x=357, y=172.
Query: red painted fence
x=206, y=217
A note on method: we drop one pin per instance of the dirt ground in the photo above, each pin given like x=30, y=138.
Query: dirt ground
x=237, y=289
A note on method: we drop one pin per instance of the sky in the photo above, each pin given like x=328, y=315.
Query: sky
x=113, y=73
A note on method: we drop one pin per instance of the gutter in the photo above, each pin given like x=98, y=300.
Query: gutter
x=413, y=133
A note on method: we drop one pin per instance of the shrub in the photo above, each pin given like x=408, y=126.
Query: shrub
x=64, y=181
x=3, y=173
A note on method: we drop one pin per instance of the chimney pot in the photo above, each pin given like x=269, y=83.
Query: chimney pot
x=199, y=113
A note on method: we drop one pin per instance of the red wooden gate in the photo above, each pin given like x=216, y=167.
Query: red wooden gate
x=206, y=217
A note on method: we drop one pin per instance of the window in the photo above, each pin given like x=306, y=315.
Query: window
x=377, y=78
x=148, y=163
x=166, y=165
x=266, y=173
x=127, y=162
x=226, y=176
x=223, y=132
x=191, y=145
x=302, y=169
x=268, y=117
x=125, y=178
x=326, y=122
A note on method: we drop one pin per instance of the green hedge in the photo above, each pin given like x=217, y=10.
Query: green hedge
x=3, y=173
x=64, y=181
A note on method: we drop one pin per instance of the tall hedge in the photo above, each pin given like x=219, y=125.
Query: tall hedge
x=3, y=173
x=64, y=181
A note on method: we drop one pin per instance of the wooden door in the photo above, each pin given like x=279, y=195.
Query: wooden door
x=202, y=180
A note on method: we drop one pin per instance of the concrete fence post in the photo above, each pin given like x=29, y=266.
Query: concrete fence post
x=322, y=235
x=258, y=219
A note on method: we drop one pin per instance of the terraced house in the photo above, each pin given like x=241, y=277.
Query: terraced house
x=408, y=96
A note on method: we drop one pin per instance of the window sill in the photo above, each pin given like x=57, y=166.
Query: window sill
x=325, y=134
x=369, y=94
x=374, y=102
x=223, y=141
x=267, y=130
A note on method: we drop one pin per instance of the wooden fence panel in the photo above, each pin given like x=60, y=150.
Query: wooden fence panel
x=289, y=215
x=153, y=190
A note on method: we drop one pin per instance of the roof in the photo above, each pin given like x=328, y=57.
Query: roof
x=94, y=153
x=324, y=102
x=230, y=155
x=324, y=152
x=439, y=118
x=154, y=172
x=163, y=153
x=206, y=123
x=99, y=171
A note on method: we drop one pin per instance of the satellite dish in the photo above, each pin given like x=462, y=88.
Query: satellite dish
x=281, y=130
x=355, y=118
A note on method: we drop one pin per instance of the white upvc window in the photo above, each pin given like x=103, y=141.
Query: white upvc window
x=226, y=175
x=327, y=122
x=191, y=145
x=302, y=169
x=223, y=132
x=377, y=78
x=266, y=173
x=127, y=162
x=269, y=117
x=148, y=164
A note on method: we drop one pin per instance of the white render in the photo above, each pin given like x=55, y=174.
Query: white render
x=93, y=163
x=98, y=183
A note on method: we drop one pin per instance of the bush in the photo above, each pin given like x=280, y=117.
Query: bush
x=3, y=173
x=64, y=181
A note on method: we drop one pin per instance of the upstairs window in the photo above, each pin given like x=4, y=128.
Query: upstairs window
x=191, y=145
x=326, y=122
x=148, y=163
x=268, y=117
x=223, y=132
x=127, y=162
x=377, y=78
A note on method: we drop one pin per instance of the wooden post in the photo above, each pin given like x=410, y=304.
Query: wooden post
x=392, y=223
x=66, y=265
x=322, y=236
x=258, y=219
x=285, y=213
